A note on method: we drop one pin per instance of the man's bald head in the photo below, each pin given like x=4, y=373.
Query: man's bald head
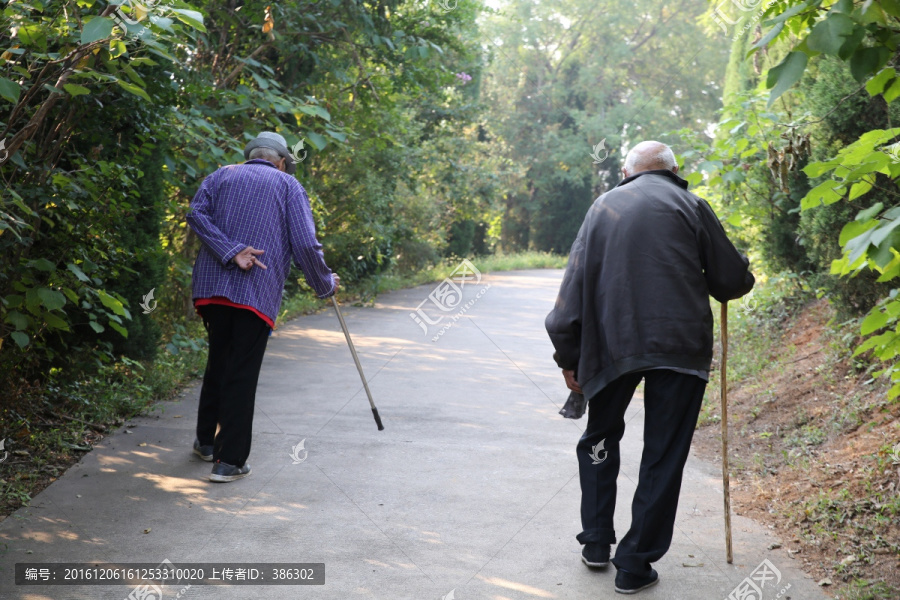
x=649, y=156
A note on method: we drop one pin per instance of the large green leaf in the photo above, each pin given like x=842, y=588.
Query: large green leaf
x=97, y=28
x=119, y=328
x=892, y=92
x=190, y=17
x=134, y=89
x=42, y=264
x=316, y=111
x=33, y=34
x=317, y=140
x=866, y=61
x=20, y=338
x=10, y=90
x=18, y=320
x=825, y=193
x=875, y=321
x=55, y=322
x=870, y=213
x=51, y=299
x=76, y=270
x=877, y=84
x=111, y=302
x=76, y=90
x=829, y=34
x=786, y=74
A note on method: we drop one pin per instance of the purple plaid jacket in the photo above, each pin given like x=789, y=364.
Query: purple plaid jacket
x=255, y=204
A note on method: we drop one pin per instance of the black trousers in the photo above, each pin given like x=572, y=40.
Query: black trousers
x=671, y=404
x=237, y=343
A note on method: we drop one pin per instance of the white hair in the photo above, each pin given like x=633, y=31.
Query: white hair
x=265, y=154
x=649, y=156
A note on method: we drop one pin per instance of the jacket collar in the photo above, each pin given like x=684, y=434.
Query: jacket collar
x=261, y=161
x=664, y=172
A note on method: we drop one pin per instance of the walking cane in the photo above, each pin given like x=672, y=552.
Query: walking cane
x=723, y=324
x=356, y=360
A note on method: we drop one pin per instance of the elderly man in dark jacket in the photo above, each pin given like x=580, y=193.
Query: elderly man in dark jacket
x=633, y=305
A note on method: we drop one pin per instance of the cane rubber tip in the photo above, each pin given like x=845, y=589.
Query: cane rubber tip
x=377, y=419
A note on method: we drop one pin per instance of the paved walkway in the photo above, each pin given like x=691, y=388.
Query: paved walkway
x=471, y=492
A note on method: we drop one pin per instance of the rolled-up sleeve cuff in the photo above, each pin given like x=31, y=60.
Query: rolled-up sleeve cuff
x=331, y=293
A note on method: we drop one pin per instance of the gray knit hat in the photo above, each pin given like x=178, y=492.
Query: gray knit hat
x=270, y=139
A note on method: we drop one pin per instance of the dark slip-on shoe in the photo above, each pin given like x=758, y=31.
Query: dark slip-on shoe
x=204, y=452
x=223, y=472
x=595, y=554
x=629, y=583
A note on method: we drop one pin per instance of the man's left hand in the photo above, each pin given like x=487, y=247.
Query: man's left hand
x=570, y=381
x=246, y=258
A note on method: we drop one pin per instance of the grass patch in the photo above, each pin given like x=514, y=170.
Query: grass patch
x=48, y=429
x=754, y=331
x=442, y=270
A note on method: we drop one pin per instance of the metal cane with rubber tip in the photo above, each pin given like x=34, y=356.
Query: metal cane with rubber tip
x=362, y=376
x=726, y=487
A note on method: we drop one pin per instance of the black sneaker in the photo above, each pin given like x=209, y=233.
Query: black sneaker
x=204, y=452
x=629, y=583
x=223, y=472
x=595, y=554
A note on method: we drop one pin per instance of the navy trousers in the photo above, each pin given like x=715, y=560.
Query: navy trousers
x=237, y=343
x=672, y=404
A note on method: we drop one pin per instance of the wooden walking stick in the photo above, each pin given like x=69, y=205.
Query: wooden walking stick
x=723, y=324
x=362, y=376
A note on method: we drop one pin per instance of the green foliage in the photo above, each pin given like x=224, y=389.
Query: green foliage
x=853, y=179
x=112, y=116
x=569, y=79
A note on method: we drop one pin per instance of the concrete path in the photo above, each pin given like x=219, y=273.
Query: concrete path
x=471, y=492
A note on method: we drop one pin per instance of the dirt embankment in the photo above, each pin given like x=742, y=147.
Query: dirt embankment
x=812, y=449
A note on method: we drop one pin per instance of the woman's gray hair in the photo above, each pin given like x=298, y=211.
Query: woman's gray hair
x=649, y=156
x=265, y=154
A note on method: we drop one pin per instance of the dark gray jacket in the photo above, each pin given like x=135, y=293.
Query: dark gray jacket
x=636, y=290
